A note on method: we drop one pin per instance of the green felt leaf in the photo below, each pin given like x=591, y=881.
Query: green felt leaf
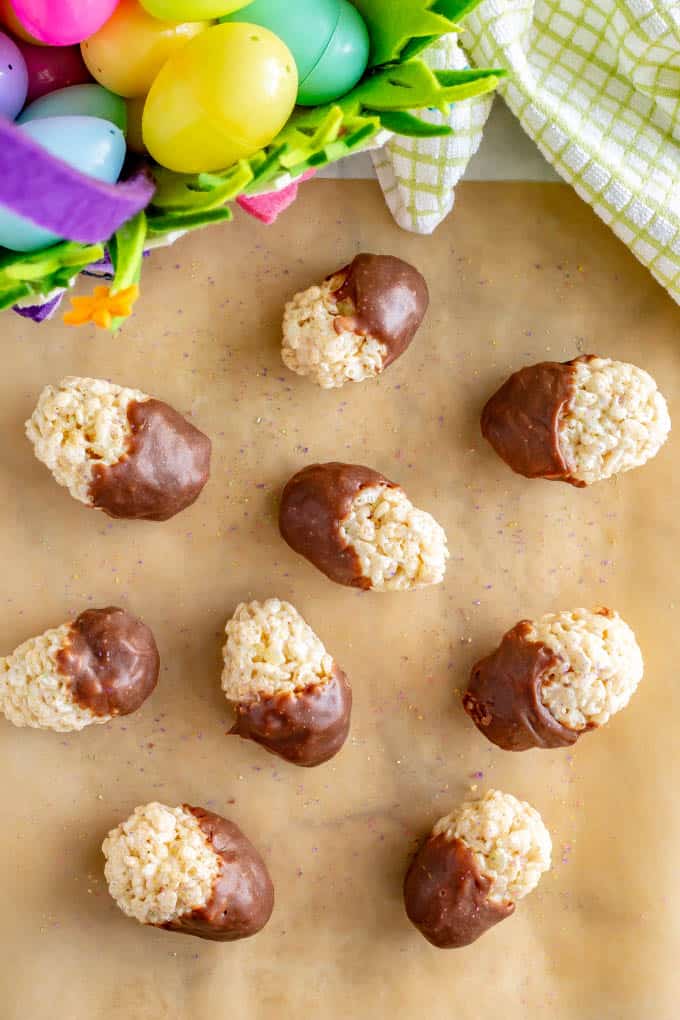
x=126, y=250
x=199, y=191
x=406, y=124
x=10, y=294
x=39, y=273
x=454, y=10
x=462, y=77
x=169, y=222
x=34, y=265
x=392, y=24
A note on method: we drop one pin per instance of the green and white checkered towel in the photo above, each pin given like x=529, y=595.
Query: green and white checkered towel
x=596, y=84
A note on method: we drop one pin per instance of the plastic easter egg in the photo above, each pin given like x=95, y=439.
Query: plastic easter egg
x=9, y=19
x=328, y=39
x=13, y=78
x=135, y=112
x=52, y=67
x=79, y=101
x=93, y=146
x=225, y=95
x=342, y=63
x=196, y=10
x=128, y=52
x=62, y=22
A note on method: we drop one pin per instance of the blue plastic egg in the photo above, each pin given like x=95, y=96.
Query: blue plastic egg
x=328, y=38
x=78, y=101
x=94, y=147
x=13, y=78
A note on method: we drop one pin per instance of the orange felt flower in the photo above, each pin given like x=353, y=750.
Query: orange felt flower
x=102, y=307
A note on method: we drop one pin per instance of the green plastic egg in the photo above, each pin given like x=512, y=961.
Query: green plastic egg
x=328, y=39
x=79, y=101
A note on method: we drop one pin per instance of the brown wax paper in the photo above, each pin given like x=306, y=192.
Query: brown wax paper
x=519, y=273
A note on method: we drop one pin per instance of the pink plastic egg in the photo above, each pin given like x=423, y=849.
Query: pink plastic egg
x=52, y=67
x=62, y=22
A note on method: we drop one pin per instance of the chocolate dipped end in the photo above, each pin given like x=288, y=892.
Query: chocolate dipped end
x=504, y=695
x=163, y=471
x=447, y=897
x=242, y=898
x=111, y=661
x=383, y=297
x=307, y=727
x=522, y=419
x=314, y=503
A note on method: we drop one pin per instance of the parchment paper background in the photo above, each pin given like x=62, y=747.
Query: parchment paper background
x=520, y=273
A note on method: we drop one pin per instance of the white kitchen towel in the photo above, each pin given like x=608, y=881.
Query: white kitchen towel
x=597, y=85
x=418, y=175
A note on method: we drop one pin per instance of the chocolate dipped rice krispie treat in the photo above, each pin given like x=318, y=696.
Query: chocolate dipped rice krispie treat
x=288, y=693
x=103, y=664
x=580, y=421
x=552, y=679
x=477, y=863
x=361, y=530
x=119, y=450
x=188, y=870
x=356, y=323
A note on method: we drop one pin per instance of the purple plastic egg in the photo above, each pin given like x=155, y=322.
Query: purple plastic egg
x=13, y=78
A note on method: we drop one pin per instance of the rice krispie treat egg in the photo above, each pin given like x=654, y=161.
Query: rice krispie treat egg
x=361, y=530
x=288, y=693
x=188, y=870
x=353, y=326
x=103, y=664
x=580, y=421
x=474, y=867
x=552, y=679
x=118, y=449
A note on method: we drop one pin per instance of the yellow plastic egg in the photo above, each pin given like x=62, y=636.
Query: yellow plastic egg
x=127, y=53
x=222, y=97
x=178, y=10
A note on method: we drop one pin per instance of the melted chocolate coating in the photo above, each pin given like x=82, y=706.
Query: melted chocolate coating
x=314, y=503
x=306, y=728
x=162, y=472
x=446, y=895
x=242, y=898
x=504, y=695
x=522, y=419
x=111, y=660
x=387, y=299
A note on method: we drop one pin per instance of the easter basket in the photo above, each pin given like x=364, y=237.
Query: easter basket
x=106, y=227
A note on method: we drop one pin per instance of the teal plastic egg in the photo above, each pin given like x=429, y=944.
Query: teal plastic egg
x=328, y=39
x=79, y=101
x=93, y=146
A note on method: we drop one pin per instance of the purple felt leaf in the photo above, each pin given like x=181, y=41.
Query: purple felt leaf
x=38, y=313
x=58, y=198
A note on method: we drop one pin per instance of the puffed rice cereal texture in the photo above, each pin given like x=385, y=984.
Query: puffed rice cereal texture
x=512, y=846
x=617, y=420
x=400, y=548
x=34, y=693
x=318, y=341
x=159, y=864
x=78, y=424
x=599, y=669
x=270, y=650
